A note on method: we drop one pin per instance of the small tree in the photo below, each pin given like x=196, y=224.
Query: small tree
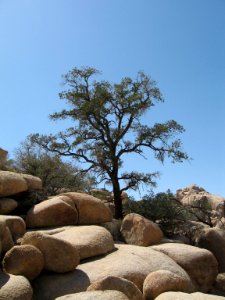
x=107, y=126
x=54, y=173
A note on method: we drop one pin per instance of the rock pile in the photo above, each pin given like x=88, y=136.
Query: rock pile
x=63, y=249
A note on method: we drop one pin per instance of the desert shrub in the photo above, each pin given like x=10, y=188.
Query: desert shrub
x=167, y=211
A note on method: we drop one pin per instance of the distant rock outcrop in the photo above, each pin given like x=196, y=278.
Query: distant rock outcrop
x=194, y=193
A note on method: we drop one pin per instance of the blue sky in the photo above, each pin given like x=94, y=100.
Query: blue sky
x=180, y=43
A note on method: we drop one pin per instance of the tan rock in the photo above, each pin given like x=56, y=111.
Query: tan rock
x=161, y=281
x=117, y=283
x=200, y=264
x=25, y=260
x=194, y=193
x=133, y=263
x=6, y=237
x=95, y=295
x=14, y=287
x=91, y=210
x=52, y=212
x=7, y=205
x=11, y=183
x=59, y=256
x=137, y=230
x=88, y=240
x=184, y=296
x=213, y=239
x=15, y=224
x=33, y=182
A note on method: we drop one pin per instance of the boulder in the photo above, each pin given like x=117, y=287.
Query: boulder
x=7, y=205
x=88, y=240
x=6, y=237
x=16, y=226
x=184, y=296
x=25, y=260
x=14, y=287
x=213, y=239
x=33, y=182
x=11, y=183
x=52, y=212
x=200, y=264
x=161, y=281
x=91, y=210
x=117, y=283
x=95, y=295
x=133, y=263
x=51, y=286
x=137, y=230
x=59, y=256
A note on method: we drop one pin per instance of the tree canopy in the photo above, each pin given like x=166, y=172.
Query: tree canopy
x=56, y=174
x=107, y=125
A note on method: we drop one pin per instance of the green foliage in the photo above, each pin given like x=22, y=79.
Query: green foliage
x=56, y=174
x=168, y=212
x=162, y=208
x=107, y=126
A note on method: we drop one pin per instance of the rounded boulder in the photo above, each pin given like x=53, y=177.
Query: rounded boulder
x=200, y=264
x=137, y=230
x=59, y=256
x=25, y=260
x=91, y=210
x=52, y=212
x=88, y=240
x=7, y=205
x=11, y=183
x=95, y=295
x=14, y=287
x=117, y=283
x=161, y=281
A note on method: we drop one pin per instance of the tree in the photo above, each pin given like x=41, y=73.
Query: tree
x=55, y=174
x=107, y=126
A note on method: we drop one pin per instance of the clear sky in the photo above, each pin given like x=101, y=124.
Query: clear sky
x=180, y=43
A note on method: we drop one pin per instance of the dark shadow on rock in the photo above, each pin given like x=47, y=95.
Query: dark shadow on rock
x=51, y=286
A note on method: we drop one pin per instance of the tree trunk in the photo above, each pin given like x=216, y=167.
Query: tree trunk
x=117, y=199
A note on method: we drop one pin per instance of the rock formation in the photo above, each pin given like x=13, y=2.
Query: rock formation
x=67, y=247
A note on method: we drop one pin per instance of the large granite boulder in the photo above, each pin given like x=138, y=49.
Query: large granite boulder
x=14, y=287
x=95, y=295
x=200, y=264
x=52, y=212
x=6, y=240
x=137, y=230
x=88, y=240
x=184, y=296
x=213, y=239
x=7, y=205
x=25, y=260
x=59, y=256
x=117, y=283
x=161, y=281
x=12, y=183
x=15, y=224
x=133, y=263
x=90, y=209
